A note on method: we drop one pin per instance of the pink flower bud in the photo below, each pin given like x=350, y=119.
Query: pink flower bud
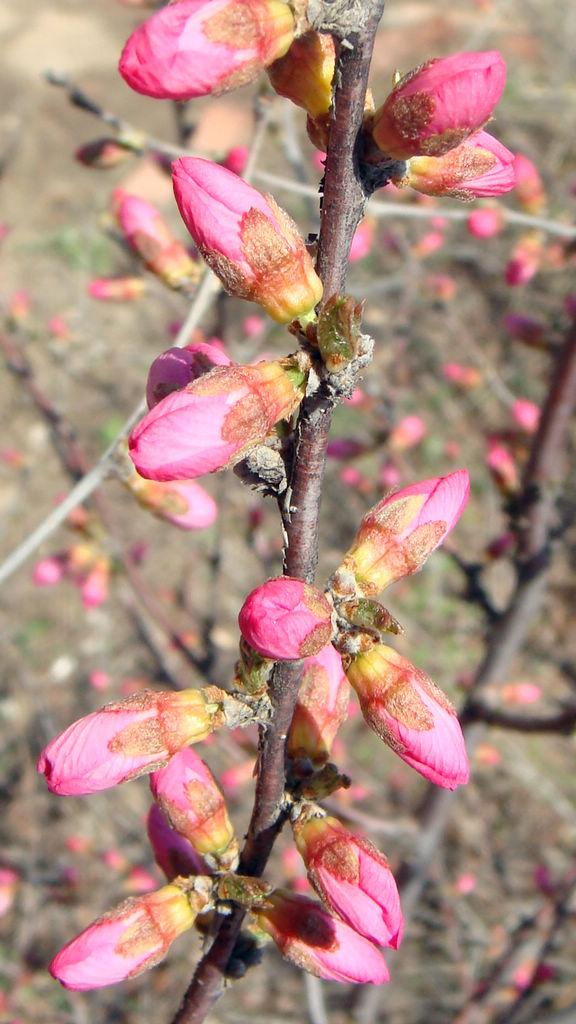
x=304, y=75
x=182, y=502
x=127, y=739
x=213, y=422
x=524, y=328
x=480, y=167
x=352, y=878
x=525, y=260
x=118, y=289
x=407, y=433
x=127, y=940
x=526, y=414
x=485, y=223
x=362, y=241
x=502, y=466
x=194, y=807
x=235, y=159
x=321, y=708
x=172, y=853
x=201, y=47
x=49, y=571
x=104, y=153
x=530, y=191
x=408, y=711
x=397, y=535
x=148, y=234
x=438, y=105
x=286, y=619
x=249, y=242
x=319, y=943
x=178, y=367
x=94, y=585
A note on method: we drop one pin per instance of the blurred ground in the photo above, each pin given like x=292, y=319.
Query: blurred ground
x=74, y=857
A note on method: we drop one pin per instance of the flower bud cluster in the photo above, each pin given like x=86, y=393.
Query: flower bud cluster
x=433, y=120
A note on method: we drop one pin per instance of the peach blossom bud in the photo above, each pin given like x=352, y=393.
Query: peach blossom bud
x=128, y=738
x=438, y=105
x=525, y=260
x=58, y=327
x=178, y=367
x=286, y=619
x=214, y=421
x=429, y=243
x=502, y=466
x=172, y=853
x=94, y=586
x=397, y=535
x=118, y=289
x=9, y=880
x=480, y=167
x=485, y=223
x=49, y=571
x=304, y=75
x=467, y=377
x=182, y=502
x=148, y=234
x=408, y=711
x=104, y=154
x=201, y=47
x=362, y=241
x=321, y=708
x=249, y=242
x=407, y=433
x=317, y=942
x=235, y=159
x=127, y=940
x=521, y=693
x=530, y=191
x=194, y=807
x=352, y=879
x=526, y=414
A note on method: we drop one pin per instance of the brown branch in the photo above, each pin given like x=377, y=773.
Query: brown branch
x=507, y=635
x=563, y=722
x=343, y=207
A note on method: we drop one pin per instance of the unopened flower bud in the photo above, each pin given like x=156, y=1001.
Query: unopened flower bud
x=304, y=75
x=321, y=708
x=117, y=289
x=408, y=711
x=311, y=938
x=104, y=153
x=128, y=738
x=182, y=502
x=286, y=619
x=149, y=235
x=249, y=242
x=172, y=853
x=438, y=105
x=177, y=367
x=215, y=420
x=485, y=223
x=525, y=260
x=201, y=47
x=351, y=877
x=530, y=191
x=397, y=535
x=480, y=167
x=127, y=940
x=193, y=805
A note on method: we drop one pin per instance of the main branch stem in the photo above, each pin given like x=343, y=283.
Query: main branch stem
x=342, y=210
